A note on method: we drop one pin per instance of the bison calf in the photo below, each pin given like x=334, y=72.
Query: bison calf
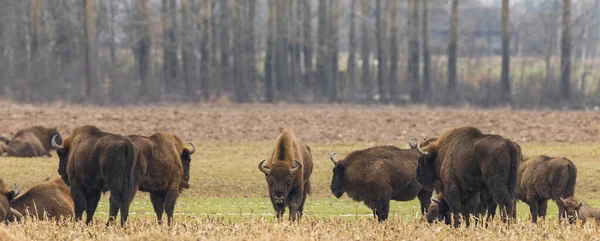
x=579, y=210
x=50, y=199
x=439, y=210
x=32, y=142
x=287, y=171
x=6, y=196
x=377, y=175
x=541, y=178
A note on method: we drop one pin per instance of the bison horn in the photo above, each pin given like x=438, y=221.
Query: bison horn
x=563, y=200
x=17, y=190
x=410, y=143
x=263, y=169
x=56, y=146
x=435, y=200
x=333, y=158
x=193, y=148
x=423, y=153
x=298, y=168
x=580, y=202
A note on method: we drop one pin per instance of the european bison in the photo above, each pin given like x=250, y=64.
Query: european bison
x=3, y=145
x=6, y=196
x=463, y=162
x=439, y=210
x=579, y=210
x=167, y=170
x=50, y=199
x=377, y=175
x=92, y=161
x=287, y=171
x=541, y=178
x=32, y=142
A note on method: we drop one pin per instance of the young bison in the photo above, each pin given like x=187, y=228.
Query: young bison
x=579, y=210
x=377, y=175
x=439, y=210
x=287, y=171
x=541, y=178
x=50, y=199
x=6, y=196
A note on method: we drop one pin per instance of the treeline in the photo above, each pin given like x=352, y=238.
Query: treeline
x=362, y=51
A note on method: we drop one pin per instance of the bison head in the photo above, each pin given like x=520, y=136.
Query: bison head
x=438, y=210
x=6, y=196
x=337, y=182
x=186, y=159
x=571, y=207
x=425, y=173
x=4, y=140
x=280, y=177
x=63, y=155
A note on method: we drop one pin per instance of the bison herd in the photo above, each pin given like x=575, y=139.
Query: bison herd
x=471, y=173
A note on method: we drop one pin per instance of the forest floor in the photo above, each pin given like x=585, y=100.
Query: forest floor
x=228, y=198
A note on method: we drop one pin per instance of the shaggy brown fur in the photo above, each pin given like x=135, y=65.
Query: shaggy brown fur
x=32, y=142
x=541, y=178
x=50, y=199
x=3, y=145
x=287, y=171
x=575, y=209
x=167, y=170
x=377, y=175
x=463, y=162
x=6, y=196
x=92, y=161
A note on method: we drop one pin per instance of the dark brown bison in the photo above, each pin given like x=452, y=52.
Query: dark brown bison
x=92, y=161
x=575, y=209
x=50, y=199
x=377, y=175
x=167, y=170
x=287, y=171
x=541, y=178
x=439, y=210
x=3, y=145
x=463, y=162
x=32, y=142
x=6, y=196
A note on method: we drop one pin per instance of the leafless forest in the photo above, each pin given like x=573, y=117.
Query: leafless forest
x=527, y=53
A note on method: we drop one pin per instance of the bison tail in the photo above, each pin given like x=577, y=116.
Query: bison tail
x=514, y=168
x=129, y=182
x=307, y=187
x=572, y=179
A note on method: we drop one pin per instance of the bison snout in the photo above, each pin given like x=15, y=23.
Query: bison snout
x=279, y=200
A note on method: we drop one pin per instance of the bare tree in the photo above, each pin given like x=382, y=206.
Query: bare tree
x=307, y=43
x=169, y=21
x=321, y=68
x=205, y=53
x=365, y=49
x=426, y=54
x=250, y=47
x=413, y=50
x=90, y=46
x=453, y=45
x=381, y=49
x=351, y=65
x=281, y=54
x=225, y=25
x=269, y=55
x=505, y=77
x=335, y=79
x=565, y=57
x=239, y=72
x=394, y=51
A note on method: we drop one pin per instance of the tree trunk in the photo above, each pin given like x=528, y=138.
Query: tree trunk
x=321, y=72
x=90, y=46
x=307, y=44
x=393, y=76
x=426, y=54
x=365, y=49
x=584, y=44
x=334, y=82
x=565, y=57
x=205, y=54
x=112, y=45
x=269, y=56
x=381, y=56
x=453, y=45
x=351, y=65
x=225, y=46
x=36, y=27
x=143, y=51
x=281, y=54
x=238, y=52
x=505, y=78
x=413, y=50
x=250, y=48
x=169, y=46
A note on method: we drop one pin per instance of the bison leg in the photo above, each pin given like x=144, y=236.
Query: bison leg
x=425, y=200
x=383, y=208
x=79, y=201
x=471, y=205
x=501, y=195
x=113, y=211
x=124, y=212
x=452, y=197
x=301, y=207
x=170, y=200
x=92, y=198
x=295, y=198
x=561, y=210
x=158, y=200
x=542, y=208
x=533, y=208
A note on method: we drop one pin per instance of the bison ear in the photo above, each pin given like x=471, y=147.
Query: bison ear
x=11, y=195
x=186, y=156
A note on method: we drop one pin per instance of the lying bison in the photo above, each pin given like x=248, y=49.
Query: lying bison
x=287, y=171
x=3, y=145
x=463, y=162
x=6, y=196
x=167, y=170
x=579, y=210
x=92, y=161
x=48, y=200
x=439, y=210
x=32, y=142
x=541, y=178
x=377, y=175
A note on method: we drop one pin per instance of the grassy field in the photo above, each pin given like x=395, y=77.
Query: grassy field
x=228, y=200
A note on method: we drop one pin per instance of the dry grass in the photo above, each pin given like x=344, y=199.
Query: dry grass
x=228, y=197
